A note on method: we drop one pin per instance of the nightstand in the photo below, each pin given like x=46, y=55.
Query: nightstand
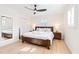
x=57, y=35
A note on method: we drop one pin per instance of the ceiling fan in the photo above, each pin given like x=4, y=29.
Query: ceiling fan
x=35, y=9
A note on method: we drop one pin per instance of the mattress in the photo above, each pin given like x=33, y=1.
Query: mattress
x=40, y=35
x=7, y=31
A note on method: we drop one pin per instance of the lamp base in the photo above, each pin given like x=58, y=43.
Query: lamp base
x=57, y=31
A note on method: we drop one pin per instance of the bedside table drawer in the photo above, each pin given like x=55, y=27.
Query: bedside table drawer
x=57, y=36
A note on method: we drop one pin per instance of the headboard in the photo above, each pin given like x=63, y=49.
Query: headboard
x=51, y=27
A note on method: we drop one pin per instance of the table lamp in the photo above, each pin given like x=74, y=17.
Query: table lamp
x=57, y=27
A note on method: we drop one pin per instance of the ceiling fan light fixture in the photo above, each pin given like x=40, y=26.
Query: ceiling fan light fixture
x=34, y=12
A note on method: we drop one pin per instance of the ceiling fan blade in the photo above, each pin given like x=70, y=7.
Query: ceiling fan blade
x=41, y=10
x=35, y=9
x=29, y=8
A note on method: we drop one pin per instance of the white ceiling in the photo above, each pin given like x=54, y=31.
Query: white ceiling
x=51, y=8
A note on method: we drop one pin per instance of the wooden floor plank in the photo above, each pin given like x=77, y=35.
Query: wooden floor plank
x=58, y=47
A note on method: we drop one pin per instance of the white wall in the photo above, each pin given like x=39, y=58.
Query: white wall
x=5, y=11
x=22, y=21
x=0, y=28
x=19, y=21
x=71, y=33
x=25, y=24
x=50, y=20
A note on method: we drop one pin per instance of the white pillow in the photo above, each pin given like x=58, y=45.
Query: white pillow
x=43, y=29
x=48, y=29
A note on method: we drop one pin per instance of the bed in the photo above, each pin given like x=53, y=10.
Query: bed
x=7, y=34
x=42, y=36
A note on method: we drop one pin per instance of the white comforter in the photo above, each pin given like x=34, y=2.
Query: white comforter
x=40, y=35
x=7, y=31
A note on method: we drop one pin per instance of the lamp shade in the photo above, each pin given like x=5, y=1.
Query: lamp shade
x=33, y=26
x=57, y=26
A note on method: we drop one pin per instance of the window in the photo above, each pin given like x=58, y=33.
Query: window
x=71, y=17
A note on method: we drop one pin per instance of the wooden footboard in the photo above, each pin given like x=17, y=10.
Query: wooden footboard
x=40, y=42
x=7, y=35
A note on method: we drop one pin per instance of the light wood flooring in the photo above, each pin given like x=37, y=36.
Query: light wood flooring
x=58, y=47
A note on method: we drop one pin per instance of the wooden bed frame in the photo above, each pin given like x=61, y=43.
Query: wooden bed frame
x=40, y=42
x=7, y=35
